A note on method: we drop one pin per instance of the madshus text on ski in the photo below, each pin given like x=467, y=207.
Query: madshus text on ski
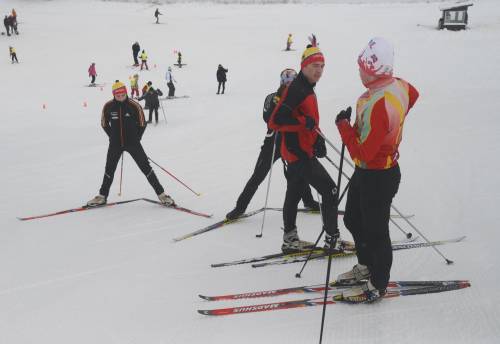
x=293, y=135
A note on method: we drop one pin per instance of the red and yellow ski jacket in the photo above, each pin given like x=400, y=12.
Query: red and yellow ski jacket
x=374, y=139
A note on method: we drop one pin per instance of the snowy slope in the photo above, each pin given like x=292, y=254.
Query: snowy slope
x=114, y=276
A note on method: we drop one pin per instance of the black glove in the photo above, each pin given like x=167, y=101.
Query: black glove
x=344, y=114
x=320, y=147
x=310, y=123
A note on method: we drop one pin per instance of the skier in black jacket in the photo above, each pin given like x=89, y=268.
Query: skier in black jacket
x=157, y=16
x=221, y=78
x=6, y=23
x=152, y=101
x=123, y=121
x=135, y=52
x=263, y=164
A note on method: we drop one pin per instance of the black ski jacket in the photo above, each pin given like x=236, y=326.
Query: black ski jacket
x=136, y=48
x=221, y=74
x=151, y=97
x=123, y=122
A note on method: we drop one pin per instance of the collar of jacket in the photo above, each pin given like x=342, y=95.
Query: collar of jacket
x=123, y=103
x=302, y=78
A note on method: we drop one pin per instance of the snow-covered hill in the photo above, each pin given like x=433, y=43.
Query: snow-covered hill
x=114, y=276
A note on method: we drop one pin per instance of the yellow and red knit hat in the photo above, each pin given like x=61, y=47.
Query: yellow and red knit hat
x=312, y=53
x=119, y=88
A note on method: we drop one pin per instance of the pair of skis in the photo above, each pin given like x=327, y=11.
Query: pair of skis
x=225, y=222
x=174, y=97
x=85, y=207
x=349, y=250
x=394, y=289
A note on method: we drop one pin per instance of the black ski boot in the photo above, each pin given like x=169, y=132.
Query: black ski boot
x=312, y=206
x=235, y=213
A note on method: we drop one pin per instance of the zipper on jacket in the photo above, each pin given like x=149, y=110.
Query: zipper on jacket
x=121, y=126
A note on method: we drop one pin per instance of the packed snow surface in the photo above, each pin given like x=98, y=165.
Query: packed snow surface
x=114, y=275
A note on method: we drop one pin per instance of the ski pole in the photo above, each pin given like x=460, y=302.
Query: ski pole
x=162, y=110
x=268, y=186
x=171, y=175
x=448, y=261
x=408, y=235
x=121, y=177
x=329, y=256
x=299, y=274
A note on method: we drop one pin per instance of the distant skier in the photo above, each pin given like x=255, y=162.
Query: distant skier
x=134, y=85
x=6, y=23
x=144, y=60
x=92, y=74
x=373, y=145
x=264, y=162
x=157, y=16
x=169, y=77
x=221, y=78
x=289, y=42
x=123, y=121
x=13, y=24
x=152, y=101
x=296, y=117
x=179, y=59
x=136, y=48
x=13, y=55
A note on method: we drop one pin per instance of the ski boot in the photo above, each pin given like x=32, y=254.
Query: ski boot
x=292, y=243
x=97, y=201
x=166, y=199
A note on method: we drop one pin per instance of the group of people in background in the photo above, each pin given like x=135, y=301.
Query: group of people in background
x=10, y=23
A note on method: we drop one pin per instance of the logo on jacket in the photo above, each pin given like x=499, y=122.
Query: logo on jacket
x=127, y=115
x=114, y=115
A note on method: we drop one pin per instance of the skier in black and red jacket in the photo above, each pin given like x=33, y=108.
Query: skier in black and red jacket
x=296, y=117
x=263, y=164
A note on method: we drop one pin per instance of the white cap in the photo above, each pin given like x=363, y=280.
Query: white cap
x=377, y=58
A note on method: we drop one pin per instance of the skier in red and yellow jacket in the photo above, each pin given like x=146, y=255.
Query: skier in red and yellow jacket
x=373, y=144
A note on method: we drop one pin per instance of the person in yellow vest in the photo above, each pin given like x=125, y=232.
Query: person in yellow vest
x=134, y=85
x=144, y=60
x=289, y=42
x=373, y=143
x=13, y=54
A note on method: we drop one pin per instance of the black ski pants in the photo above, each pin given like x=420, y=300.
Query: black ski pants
x=14, y=57
x=304, y=172
x=93, y=79
x=140, y=158
x=171, y=89
x=366, y=216
x=136, y=60
x=223, y=84
x=260, y=172
x=151, y=109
